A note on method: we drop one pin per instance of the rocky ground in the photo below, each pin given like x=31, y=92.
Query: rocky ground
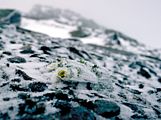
x=62, y=78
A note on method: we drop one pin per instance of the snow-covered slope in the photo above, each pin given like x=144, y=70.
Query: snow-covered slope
x=41, y=75
x=67, y=24
x=58, y=30
x=60, y=77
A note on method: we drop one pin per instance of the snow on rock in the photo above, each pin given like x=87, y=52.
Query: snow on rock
x=48, y=27
x=60, y=77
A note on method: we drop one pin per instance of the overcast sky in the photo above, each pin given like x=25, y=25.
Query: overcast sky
x=140, y=19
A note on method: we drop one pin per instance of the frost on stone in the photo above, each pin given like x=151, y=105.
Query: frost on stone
x=77, y=70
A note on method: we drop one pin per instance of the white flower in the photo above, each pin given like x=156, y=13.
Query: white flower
x=52, y=66
x=63, y=73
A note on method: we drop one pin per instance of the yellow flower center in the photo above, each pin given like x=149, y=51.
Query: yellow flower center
x=62, y=73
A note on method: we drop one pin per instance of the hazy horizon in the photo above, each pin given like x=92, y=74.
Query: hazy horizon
x=138, y=19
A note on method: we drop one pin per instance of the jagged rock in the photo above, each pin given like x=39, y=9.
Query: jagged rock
x=16, y=80
x=1, y=46
x=37, y=86
x=4, y=116
x=141, y=86
x=31, y=107
x=23, y=75
x=137, y=116
x=7, y=53
x=18, y=87
x=10, y=16
x=17, y=60
x=49, y=96
x=27, y=51
x=80, y=33
x=62, y=96
x=45, y=49
x=80, y=113
x=144, y=73
x=159, y=80
x=135, y=107
x=23, y=96
x=106, y=109
x=142, y=65
x=13, y=42
x=65, y=106
x=6, y=99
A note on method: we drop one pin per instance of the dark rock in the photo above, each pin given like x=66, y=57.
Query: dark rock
x=134, y=91
x=16, y=80
x=157, y=110
x=62, y=96
x=6, y=99
x=11, y=108
x=81, y=113
x=23, y=96
x=22, y=109
x=71, y=84
x=85, y=103
x=9, y=16
x=45, y=49
x=151, y=92
x=28, y=107
x=135, y=107
x=159, y=100
x=4, y=76
x=86, y=54
x=89, y=86
x=75, y=51
x=138, y=116
x=1, y=56
x=23, y=75
x=114, y=39
x=8, y=65
x=7, y=53
x=17, y=87
x=56, y=47
x=1, y=46
x=49, y=96
x=27, y=51
x=159, y=80
x=65, y=106
x=158, y=89
x=40, y=108
x=4, y=84
x=30, y=102
x=34, y=55
x=139, y=64
x=106, y=109
x=136, y=64
x=4, y=116
x=144, y=73
x=17, y=60
x=31, y=107
x=13, y=42
x=37, y=86
x=141, y=86
x=80, y=32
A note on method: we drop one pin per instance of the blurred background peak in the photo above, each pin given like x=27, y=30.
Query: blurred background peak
x=138, y=19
